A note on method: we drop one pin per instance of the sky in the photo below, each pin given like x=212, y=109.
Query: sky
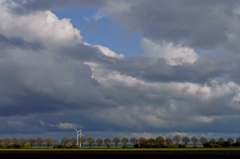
x=129, y=68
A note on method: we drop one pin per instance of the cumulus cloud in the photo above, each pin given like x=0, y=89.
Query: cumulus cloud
x=174, y=55
x=186, y=78
x=66, y=126
x=42, y=27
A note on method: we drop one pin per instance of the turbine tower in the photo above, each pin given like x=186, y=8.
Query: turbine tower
x=79, y=134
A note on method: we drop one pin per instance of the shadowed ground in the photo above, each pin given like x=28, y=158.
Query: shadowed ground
x=58, y=154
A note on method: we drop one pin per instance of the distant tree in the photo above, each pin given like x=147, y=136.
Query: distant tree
x=116, y=140
x=151, y=141
x=133, y=140
x=82, y=140
x=107, y=141
x=48, y=141
x=6, y=142
x=185, y=140
x=168, y=141
x=39, y=141
x=73, y=141
x=0, y=141
x=99, y=142
x=15, y=141
x=221, y=141
x=160, y=141
x=55, y=142
x=194, y=140
x=22, y=141
x=177, y=139
x=230, y=140
x=124, y=141
x=203, y=140
x=238, y=140
x=212, y=141
x=90, y=141
x=142, y=141
x=31, y=142
x=64, y=141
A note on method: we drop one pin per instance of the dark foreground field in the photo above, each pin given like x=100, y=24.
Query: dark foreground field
x=58, y=154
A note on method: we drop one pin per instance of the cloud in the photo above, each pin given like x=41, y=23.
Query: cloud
x=185, y=81
x=15, y=123
x=66, y=126
x=106, y=51
x=173, y=55
x=96, y=17
x=42, y=122
x=42, y=27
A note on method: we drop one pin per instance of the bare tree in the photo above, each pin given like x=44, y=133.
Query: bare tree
x=116, y=140
x=31, y=142
x=177, y=139
x=124, y=141
x=194, y=140
x=73, y=141
x=99, y=142
x=15, y=141
x=230, y=140
x=203, y=140
x=39, y=141
x=6, y=142
x=221, y=141
x=23, y=141
x=48, y=141
x=90, y=141
x=168, y=141
x=133, y=140
x=185, y=140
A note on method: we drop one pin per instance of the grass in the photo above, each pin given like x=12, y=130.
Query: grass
x=127, y=149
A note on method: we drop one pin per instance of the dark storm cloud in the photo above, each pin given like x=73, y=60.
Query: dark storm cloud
x=31, y=87
x=206, y=68
x=86, y=53
x=28, y=6
x=195, y=23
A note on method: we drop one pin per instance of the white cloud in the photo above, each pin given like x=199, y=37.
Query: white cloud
x=42, y=122
x=96, y=17
x=43, y=27
x=173, y=54
x=66, y=126
x=106, y=51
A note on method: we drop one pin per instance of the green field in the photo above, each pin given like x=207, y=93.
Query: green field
x=126, y=149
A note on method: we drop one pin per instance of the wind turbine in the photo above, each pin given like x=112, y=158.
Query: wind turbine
x=79, y=134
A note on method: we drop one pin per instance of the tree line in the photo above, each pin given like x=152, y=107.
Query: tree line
x=176, y=141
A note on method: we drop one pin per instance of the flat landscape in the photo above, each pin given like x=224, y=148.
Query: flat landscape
x=122, y=153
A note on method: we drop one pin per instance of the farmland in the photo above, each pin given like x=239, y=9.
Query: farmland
x=122, y=153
